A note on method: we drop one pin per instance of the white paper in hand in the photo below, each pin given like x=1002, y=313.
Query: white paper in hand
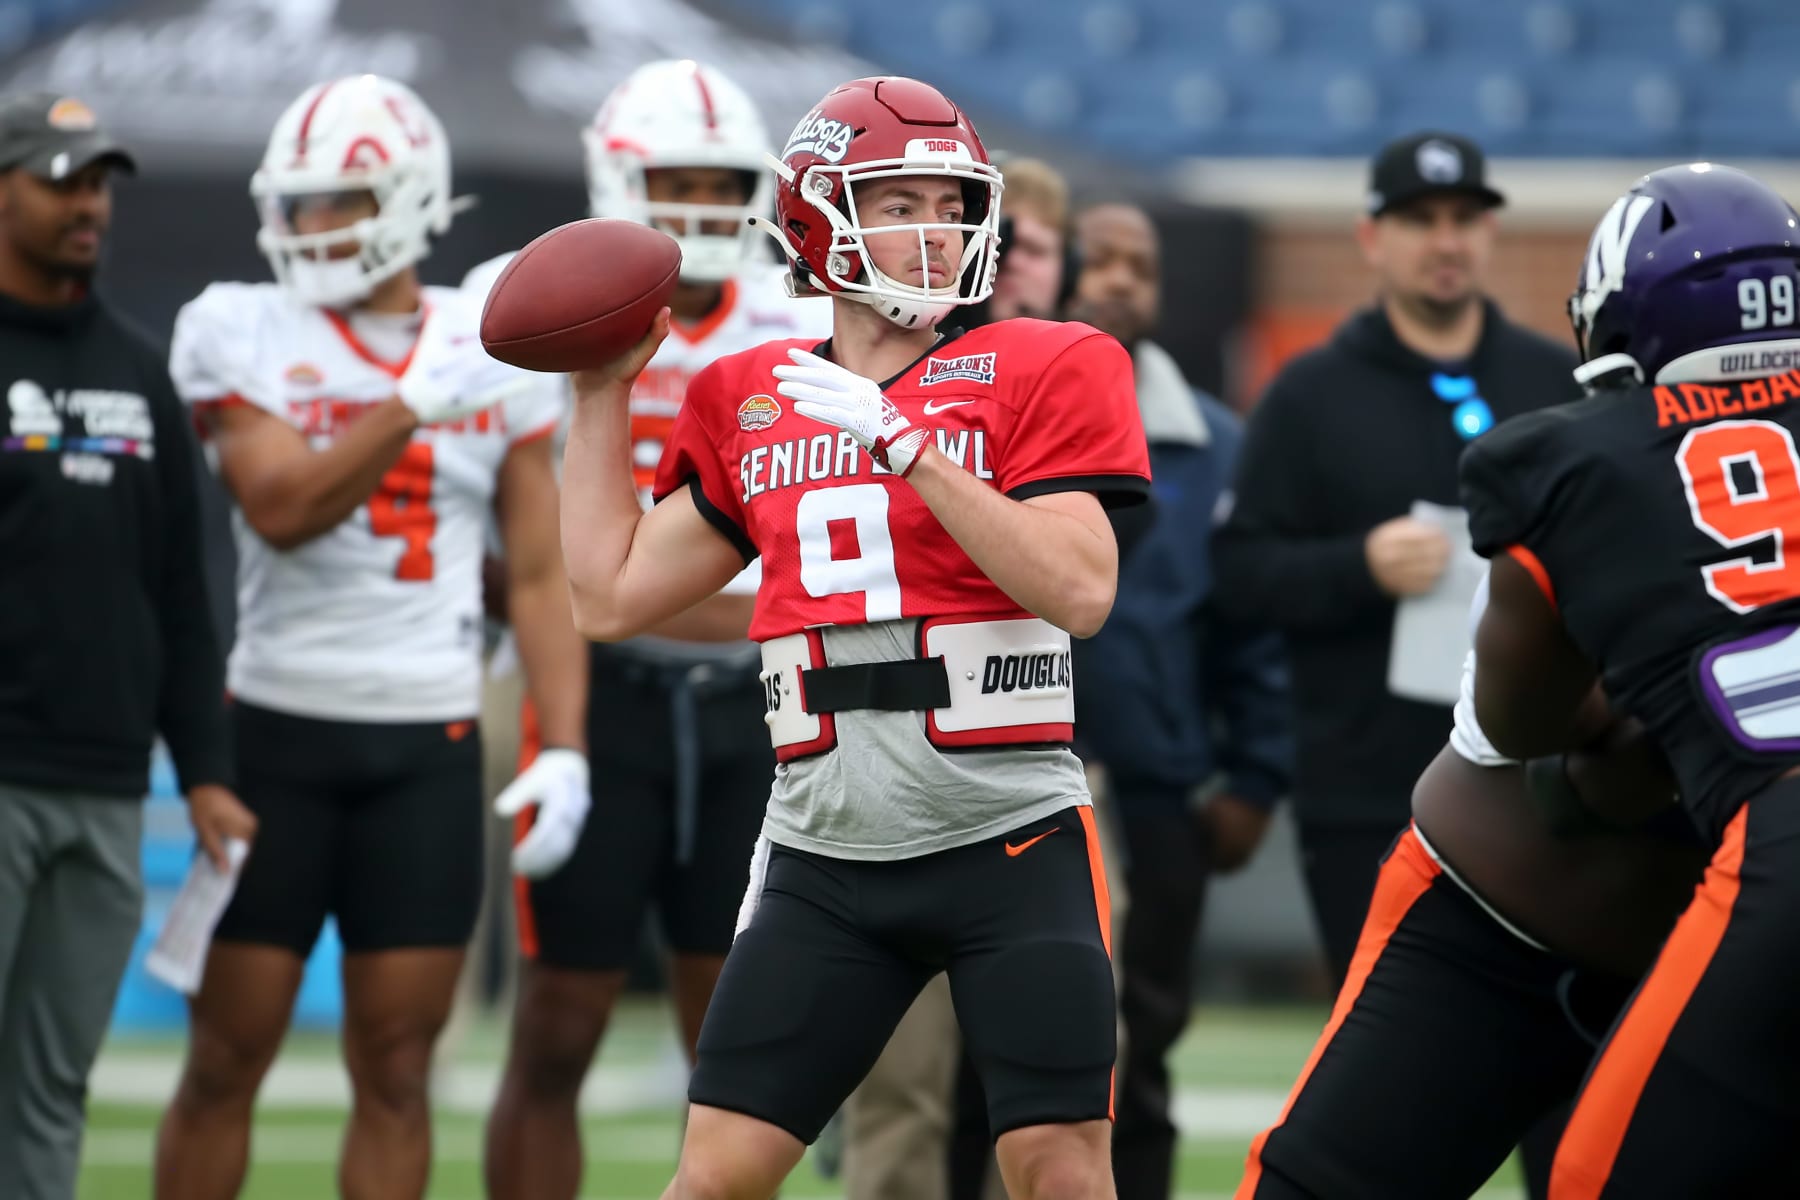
x=1431, y=630
x=179, y=956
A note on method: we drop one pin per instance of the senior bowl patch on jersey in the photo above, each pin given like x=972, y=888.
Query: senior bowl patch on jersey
x=758, y=413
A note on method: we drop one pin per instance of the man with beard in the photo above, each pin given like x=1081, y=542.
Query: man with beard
x=1319, y=542
x=1187, y=713
x=106, y=639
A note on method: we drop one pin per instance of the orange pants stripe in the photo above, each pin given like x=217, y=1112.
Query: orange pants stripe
x=1610, y=1097
x=1103, y=909
x=1097, y=865
x=1407, y=875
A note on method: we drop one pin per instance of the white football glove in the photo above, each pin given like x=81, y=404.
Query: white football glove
x=557, y=782
x=451, y=375
x=827, y=392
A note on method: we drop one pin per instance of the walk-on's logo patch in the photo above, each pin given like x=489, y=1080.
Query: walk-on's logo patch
x=971, y=368
x=758, y=413
x=304, y=375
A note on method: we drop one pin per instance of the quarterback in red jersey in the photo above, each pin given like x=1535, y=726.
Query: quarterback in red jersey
x=929, y=542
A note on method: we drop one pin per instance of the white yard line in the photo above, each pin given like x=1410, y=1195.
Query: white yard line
x=1233, y=1114
x=136, y=1078
x=1223, y=1113
x=302, y=1144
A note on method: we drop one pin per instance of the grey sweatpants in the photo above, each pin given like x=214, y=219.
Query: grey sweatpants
x=71, y=896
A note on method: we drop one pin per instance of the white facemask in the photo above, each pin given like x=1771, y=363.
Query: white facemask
x=327, y=282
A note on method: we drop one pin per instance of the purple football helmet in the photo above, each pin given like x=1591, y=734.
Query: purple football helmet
x=1692, y=257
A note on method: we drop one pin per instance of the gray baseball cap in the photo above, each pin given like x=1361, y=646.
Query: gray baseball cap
x=53, y=136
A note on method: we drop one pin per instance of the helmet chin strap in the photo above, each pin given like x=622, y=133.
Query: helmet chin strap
x=797, y=286
x=908, y=314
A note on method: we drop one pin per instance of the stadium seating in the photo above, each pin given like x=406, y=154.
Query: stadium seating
x=25, y=21
x=1150, y=79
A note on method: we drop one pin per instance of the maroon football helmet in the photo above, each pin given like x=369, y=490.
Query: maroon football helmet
x=876, y=129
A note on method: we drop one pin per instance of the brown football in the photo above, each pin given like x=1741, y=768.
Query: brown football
x=580, y=295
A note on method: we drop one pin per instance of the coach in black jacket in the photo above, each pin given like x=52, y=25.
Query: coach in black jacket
x=105, y=634
x=1319, y=542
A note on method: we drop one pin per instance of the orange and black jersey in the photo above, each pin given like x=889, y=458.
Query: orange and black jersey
x=1664, y=522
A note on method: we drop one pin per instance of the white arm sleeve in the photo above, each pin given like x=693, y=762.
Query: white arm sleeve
x=1466, y=737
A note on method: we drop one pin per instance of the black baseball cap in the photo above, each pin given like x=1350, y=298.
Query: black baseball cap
x=1425, y=164
x=53, y=135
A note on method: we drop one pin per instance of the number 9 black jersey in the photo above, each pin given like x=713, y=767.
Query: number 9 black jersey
x=1664, y=524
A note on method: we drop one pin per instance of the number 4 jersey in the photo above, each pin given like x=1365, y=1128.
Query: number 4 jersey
x=1029, y=407
x=379, y=619
x=1664, y=524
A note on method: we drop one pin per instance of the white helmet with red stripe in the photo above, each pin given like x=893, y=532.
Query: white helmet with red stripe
x=363, y=133
x=678, y=113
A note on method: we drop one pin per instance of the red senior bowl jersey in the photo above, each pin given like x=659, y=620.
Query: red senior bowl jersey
x=1029, y=407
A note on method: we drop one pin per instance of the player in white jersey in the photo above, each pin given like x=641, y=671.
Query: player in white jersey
x=682, y=760
x=365, y=435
